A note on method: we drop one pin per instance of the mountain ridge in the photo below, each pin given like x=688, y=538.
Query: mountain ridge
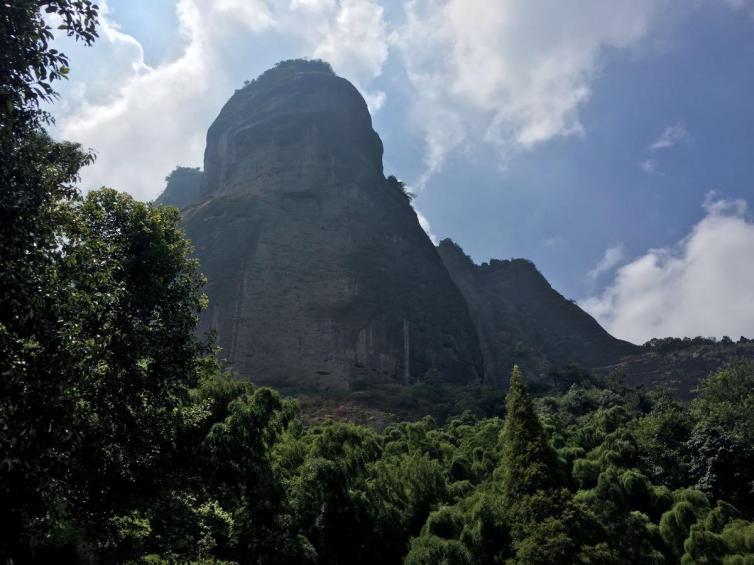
x=320, y=277
x=522, y=320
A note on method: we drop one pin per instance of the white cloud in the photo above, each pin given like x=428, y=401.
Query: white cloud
x=703, y=285
x=509, y=74
x=612, y=257
x=425, y=225
x=650, y=166
x=423, y=220
x=514, y=73
x=354, y=40
x=143, y=121
x=150, y=119
x=670, y=136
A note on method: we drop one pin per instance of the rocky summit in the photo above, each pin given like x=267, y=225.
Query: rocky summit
x=520, y=319
x=319, y=275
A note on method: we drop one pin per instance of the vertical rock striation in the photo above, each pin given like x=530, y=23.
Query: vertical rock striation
x=319, y=274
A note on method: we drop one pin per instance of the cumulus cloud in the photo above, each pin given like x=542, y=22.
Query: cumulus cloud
x=670, y=136
x=509, y=74
x=353, y=39
x=514, y=73
x=149, y=119
x=702, y=285
x=612, y=257
x=143, y=121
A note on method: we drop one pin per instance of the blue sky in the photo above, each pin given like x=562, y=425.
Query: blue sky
x=613, y=146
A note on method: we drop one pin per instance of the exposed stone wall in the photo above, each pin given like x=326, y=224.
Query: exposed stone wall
x=520, y=319
x=319, y=273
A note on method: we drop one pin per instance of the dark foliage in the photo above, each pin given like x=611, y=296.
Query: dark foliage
x=28, y=65
x=293, y=65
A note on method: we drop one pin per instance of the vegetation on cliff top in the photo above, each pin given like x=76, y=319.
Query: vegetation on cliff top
x=293, y=65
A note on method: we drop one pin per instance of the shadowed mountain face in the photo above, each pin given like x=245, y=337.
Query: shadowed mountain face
x=521, y=319
x=319, y=273
x=320, y=277
x=182, y=188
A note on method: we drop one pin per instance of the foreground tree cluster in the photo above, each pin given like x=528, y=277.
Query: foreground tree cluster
x=124, y=441
x=599, y=474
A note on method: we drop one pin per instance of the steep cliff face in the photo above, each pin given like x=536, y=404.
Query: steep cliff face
x=521, y=319
x=319, y=273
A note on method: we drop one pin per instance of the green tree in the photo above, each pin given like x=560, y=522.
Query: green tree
x=29, y=65
x=662, y=436
x=722, y=440
x=328, y=494
x=726, y=399
x=32, y=311
x=690, y=506
x=433, y=550
x=93, y=381
x=37, y=176
x=238, y=468
x=529, y=462
x=547, y=525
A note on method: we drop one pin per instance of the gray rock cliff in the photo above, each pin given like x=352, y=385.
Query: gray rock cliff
x=319, y=274
x=521, y=319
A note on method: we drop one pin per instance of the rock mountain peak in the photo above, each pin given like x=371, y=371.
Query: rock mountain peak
x=296, y=127
x=319, y=274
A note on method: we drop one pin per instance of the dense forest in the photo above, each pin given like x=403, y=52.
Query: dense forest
x=124, y=440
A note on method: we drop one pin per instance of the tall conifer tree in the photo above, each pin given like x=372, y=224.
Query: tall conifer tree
x=529, y=462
